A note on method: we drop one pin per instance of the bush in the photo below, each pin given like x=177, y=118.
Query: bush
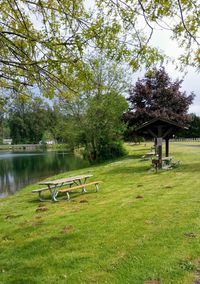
x=106, y=151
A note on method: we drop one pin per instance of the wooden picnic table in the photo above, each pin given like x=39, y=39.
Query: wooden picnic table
x=166, y=162
x=167, y=158
x=148, y=156
x=55, y=185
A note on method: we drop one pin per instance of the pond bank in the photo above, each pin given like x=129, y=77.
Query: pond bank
x=18, y=169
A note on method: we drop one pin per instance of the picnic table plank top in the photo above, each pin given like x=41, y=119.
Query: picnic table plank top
x=150, y=153
x=167, y=158
x=65, y=180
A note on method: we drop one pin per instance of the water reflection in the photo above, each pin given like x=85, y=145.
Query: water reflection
x=20, y=169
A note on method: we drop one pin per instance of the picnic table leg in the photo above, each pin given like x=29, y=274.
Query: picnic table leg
x=68, y=197
x=79, y=182
x=97, y=187
x=83, y=188
x=53, y=192
x=40, y=197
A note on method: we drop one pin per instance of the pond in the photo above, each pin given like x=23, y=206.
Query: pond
x=18, y=169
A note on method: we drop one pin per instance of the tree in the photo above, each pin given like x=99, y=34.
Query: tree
x=95, y=117
x=28, y=119
x=103, y=127
x=2, y=113
x=156, y=95
x=142, y=18
x=194, y=128
x=44, y=42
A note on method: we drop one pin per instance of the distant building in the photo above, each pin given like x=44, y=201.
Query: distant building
x=48, y=142
x=7, y=141
x=51, y=142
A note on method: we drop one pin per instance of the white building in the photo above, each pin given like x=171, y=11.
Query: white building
x=7, y=141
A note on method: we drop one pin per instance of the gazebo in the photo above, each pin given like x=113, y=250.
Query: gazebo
x=159, y=129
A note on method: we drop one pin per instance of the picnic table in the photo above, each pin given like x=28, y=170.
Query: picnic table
x=55, y=185
x=166, y=162
x=148, y=156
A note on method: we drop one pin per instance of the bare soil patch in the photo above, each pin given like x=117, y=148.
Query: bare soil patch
x=67, y=229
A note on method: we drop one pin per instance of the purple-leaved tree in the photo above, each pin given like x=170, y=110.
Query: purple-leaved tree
x=156, y=95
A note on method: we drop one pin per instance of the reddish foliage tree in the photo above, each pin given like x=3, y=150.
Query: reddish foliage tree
x=156, y=95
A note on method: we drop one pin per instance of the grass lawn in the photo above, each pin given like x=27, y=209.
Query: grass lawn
x=141, y=227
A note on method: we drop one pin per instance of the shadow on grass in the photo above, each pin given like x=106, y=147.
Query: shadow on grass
x=135, y=156
x=62, y=197
x=193, y=167
x=130, y=170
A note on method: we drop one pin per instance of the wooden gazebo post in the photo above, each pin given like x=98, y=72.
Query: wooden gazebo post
x=167, y=147
x=159, y=145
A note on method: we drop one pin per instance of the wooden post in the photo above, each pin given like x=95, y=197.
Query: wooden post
x=155, y=145
x=167, y=147
x=159, y=143
x=159, y=147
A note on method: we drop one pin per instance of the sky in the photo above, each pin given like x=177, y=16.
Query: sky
x=191, y=81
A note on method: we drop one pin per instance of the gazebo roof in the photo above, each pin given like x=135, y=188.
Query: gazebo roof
x=160, y=127
x=160, y=121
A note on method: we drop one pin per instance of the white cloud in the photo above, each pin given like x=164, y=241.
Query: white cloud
x=191, y=80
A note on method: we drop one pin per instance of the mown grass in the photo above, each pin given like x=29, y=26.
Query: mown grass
x=141, y=226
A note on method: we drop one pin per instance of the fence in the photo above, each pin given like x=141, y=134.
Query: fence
x=185, y=140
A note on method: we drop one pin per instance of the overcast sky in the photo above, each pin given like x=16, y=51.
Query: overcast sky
x=191, y=81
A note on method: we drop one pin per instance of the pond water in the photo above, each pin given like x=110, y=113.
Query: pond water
x=18, y=169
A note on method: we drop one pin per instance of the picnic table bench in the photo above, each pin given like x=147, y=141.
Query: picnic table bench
x=167, y=160
x=148, y=156
x=82, y=186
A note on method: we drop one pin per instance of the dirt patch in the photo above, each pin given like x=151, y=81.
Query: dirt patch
x=67, y=229
x=31, y=223
x=12, y=216
x=190, y=235
x=167, y=186
x=7, y=238
x=41, y=209
x=41, y=205
x=153, y=281
x=83, y=201
x=139, y=196
x=35, y=224
x=38, y=217
x=149, y=222
x=55, y=238
x=197, y=280
x=197, y=274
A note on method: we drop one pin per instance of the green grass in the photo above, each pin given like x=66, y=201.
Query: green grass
x=140, y=226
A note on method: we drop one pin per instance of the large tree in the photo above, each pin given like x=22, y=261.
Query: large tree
x=43, y=42
x=157, y=95
x=95, y=116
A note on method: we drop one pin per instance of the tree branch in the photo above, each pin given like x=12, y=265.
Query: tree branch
x=184, y=25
